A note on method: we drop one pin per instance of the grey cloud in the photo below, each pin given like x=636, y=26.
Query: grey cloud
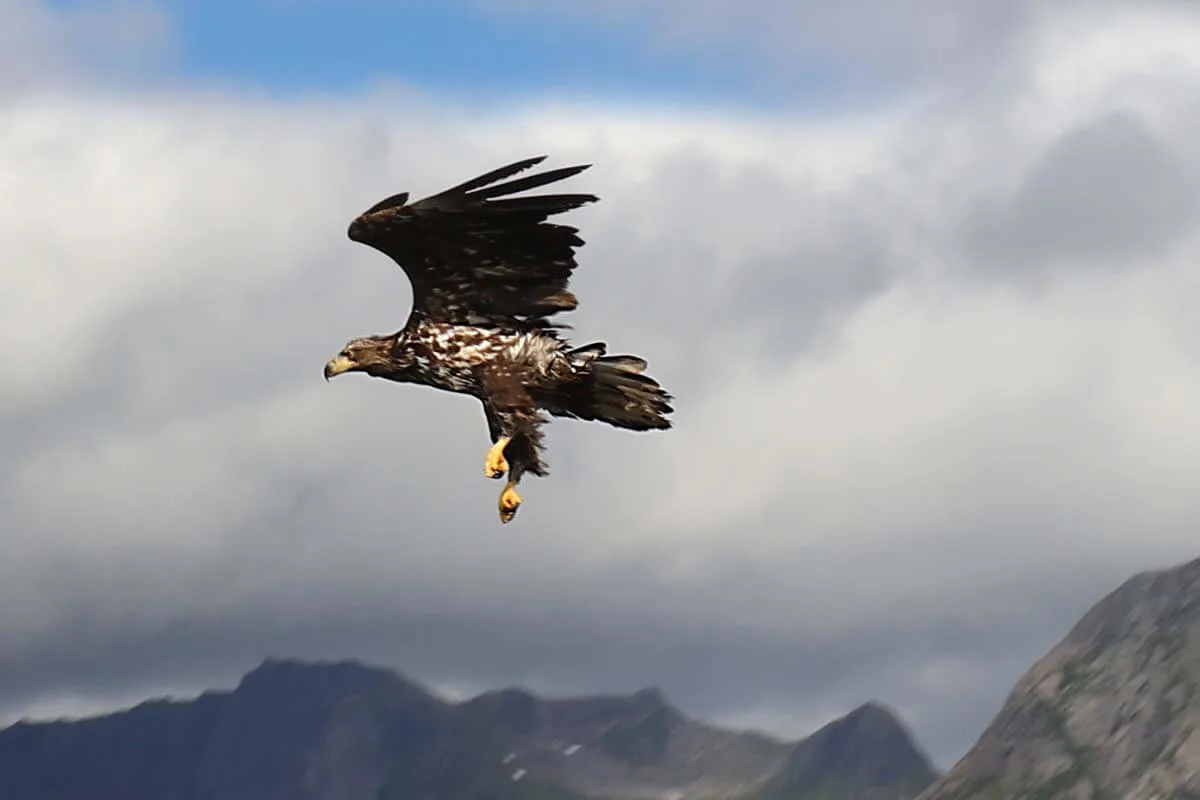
x=841, y=257
x=805, y=254
x=582, y=644
x=1104, y=193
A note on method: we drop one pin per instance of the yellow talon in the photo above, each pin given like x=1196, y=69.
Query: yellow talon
x=510, y=501
x=494, y=466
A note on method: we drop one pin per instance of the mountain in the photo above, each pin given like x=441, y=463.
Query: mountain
x=1112, y=711
x=289, y=730
x=866, y=755
x=627, y=746
x=328, y=731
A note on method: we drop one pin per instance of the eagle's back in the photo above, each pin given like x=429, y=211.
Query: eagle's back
x=448, y=356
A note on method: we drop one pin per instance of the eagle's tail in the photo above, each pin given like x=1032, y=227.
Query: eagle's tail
x=616, y=391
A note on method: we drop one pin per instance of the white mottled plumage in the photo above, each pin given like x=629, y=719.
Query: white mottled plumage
x=448, y=356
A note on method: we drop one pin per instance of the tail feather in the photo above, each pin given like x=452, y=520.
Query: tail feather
x=616, y=392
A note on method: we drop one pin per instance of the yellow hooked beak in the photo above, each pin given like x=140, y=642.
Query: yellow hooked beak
x=337, y=366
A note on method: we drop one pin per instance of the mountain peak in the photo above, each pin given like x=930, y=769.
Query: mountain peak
x=286, y=665
x=291, y=680
x=653, y=700
x=871, y=720
x=866, y=753
x=871, y=712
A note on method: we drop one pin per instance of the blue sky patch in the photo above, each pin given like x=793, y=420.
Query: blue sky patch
x=446, y=46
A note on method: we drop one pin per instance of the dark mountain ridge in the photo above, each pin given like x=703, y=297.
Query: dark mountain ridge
x=300, y=730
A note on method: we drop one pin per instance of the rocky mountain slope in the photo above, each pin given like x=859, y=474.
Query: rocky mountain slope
x=866, y=754
x=1111, y=712
x=314, y=731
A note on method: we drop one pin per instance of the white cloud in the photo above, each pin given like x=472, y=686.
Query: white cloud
x=885, y=465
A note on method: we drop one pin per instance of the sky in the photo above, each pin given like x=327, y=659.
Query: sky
x=922, y=285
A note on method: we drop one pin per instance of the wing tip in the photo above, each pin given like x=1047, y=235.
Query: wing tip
x=489, y=190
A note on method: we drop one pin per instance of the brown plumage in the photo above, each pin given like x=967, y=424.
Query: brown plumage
x=488, y=273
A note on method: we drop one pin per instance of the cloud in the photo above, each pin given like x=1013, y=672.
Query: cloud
x=839, y=48
x=42, y=45
x=1103, y=192
x=856, y=35
x=891, y=477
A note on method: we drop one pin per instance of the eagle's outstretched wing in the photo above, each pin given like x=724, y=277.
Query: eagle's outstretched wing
x=477, y=257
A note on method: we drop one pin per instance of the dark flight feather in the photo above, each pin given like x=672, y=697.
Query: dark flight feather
x=497, y=174
x=476, y=256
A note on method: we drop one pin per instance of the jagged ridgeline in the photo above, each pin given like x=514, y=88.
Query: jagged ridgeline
x=318, y=731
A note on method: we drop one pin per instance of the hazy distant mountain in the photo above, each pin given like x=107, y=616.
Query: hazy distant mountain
x=320, y=731
x=1111, y=712
x=866, y=755
x=627, y=746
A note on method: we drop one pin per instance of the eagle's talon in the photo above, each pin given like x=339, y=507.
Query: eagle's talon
x=510, y=501
x=495, y=465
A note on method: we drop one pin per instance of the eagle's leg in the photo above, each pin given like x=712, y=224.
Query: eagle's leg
x=494, y=464
x=515, y=431
x=510, y=501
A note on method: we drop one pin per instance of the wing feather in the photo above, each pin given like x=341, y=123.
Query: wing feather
x=476, y=256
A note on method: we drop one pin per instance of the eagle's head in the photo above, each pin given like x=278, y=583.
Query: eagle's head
x=374, y=355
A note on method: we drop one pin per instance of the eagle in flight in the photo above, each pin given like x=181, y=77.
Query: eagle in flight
x=488, y=272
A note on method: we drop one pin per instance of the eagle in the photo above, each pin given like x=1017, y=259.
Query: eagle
x=488, y=275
